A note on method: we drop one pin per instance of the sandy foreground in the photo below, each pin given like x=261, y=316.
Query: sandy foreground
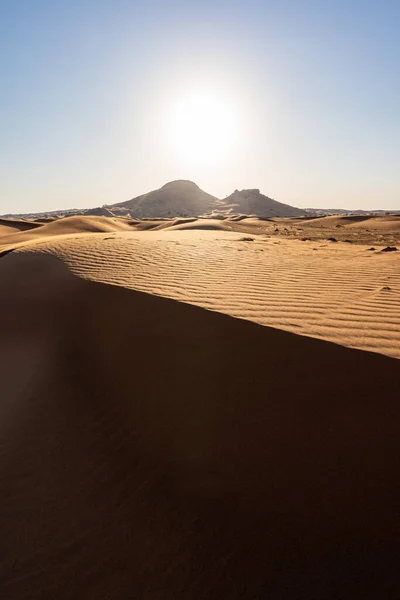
x=153, y=449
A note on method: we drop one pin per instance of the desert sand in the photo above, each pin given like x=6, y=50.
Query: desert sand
x=176, y=421
x=293, y=274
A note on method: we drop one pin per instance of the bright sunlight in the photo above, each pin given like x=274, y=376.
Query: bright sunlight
x=202, y=126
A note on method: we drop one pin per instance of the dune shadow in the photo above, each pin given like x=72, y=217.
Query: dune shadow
x=20, y=224
x=5, y=252
x=357, y=218
x=164, y=451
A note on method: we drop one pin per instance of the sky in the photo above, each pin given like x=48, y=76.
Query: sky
x=94, y=109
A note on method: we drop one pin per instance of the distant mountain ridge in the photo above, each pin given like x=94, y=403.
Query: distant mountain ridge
x=183, y=198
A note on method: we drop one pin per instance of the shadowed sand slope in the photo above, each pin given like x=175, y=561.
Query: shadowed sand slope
x=339, y=292
x=11, y=226
x=152, y=449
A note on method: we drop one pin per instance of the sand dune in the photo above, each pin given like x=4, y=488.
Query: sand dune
x=200, y=224
x=365, y=229
x=153, y=449
x=387, y=222
x=345, y=293
x=68, y=225
x=8, y=226
x=339, y=292
x=380, y=230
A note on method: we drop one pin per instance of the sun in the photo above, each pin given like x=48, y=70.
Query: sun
x=202, y=126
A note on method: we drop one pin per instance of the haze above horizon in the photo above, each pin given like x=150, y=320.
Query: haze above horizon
x=103, y=101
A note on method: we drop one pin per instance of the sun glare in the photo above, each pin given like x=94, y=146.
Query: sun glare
x=202, y=127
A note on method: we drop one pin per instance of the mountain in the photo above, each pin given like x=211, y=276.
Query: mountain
x=98, y=212
x=185, y=199
x=175, y=199
x=252, y=202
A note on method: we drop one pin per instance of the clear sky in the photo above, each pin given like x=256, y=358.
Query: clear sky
x=91, y=100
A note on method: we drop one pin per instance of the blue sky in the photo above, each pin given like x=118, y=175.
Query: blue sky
x=84, y=85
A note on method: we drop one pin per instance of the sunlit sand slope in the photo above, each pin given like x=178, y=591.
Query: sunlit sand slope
x=34, y=231
x=339, y=292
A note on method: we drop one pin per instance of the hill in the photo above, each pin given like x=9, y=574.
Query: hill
x=98, y=212
x=175, y=199
x=185, y=199
x=252, y=202
x=182, y=198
